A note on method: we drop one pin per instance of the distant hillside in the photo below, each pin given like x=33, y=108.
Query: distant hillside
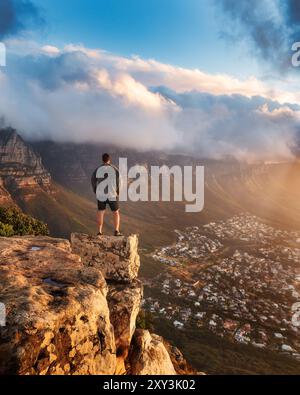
x=66, y=202
x=25, y=182
x=271, y=191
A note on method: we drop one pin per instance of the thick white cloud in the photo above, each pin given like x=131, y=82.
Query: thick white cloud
x=153, y=73
x=79, y=94
x=79, y=112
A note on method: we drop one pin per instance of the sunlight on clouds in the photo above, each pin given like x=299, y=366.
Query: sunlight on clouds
x=50, y=50
x=78, y=94
x=130, y=90
x=153, y=73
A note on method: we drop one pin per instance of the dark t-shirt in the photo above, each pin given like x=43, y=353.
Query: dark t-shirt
x=95, y=181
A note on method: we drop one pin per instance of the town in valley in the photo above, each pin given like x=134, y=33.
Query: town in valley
x=238, y=278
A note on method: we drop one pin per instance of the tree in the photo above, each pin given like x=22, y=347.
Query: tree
x=144, y=320
x=15, y=223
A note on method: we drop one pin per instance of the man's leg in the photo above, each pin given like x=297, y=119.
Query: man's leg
x=117, y=220
x=100, y=219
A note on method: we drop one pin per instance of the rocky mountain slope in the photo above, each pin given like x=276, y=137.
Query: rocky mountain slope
x=20, y=167
x=25, y=182
x=67, y=204
x=268, y=190
x=70, y=313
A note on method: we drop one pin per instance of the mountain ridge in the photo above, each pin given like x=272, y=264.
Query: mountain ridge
x=66, y=200
x=21, y=167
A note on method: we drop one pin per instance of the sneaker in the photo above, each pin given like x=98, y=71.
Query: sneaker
x=99, y=234
x=118, y=233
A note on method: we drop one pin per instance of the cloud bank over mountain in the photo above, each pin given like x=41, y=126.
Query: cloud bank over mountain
x=78, y=94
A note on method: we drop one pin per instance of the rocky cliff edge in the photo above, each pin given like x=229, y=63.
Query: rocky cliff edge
x=71, y=308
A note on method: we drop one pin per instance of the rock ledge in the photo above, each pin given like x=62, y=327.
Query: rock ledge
x=64, y=318
x=116, y=257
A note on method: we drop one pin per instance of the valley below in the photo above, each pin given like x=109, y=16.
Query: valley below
x=235, y=281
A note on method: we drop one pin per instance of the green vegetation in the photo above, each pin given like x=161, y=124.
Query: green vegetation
x=6, y=230
x=63, y=211
x=144, y=320
x=14, y=223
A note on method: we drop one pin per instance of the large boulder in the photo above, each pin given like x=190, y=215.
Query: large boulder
x=124, y=301
x=62, y=317
x=116, y=257
x=57, y=314
x=149, y=356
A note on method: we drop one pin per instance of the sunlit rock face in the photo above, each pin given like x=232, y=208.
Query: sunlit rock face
x=124, y=302
x=63, y=317
x=21, y=167
x=116, y=257
x=5, y=197
x=57, y=313
x=149, y=355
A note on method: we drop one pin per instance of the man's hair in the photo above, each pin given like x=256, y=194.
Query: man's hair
x=105, y=158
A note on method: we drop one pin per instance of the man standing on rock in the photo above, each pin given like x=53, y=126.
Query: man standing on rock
x=106, y=185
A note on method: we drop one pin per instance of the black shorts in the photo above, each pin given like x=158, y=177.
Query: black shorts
x=113, y=205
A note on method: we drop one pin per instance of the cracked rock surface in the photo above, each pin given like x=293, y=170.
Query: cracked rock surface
x=57, y=313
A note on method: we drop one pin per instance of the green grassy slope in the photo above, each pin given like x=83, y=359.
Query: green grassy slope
x=63, y=211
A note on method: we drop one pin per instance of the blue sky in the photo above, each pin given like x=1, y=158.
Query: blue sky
x=181, y=32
